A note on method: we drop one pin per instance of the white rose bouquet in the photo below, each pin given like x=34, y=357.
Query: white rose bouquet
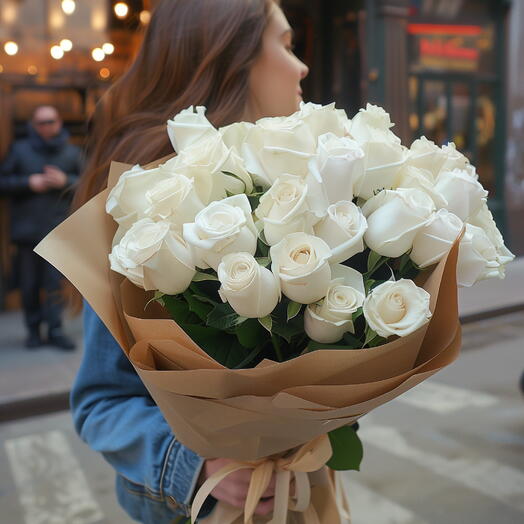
x=273, y=282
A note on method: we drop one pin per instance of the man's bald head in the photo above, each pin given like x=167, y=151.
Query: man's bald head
x=47, y=122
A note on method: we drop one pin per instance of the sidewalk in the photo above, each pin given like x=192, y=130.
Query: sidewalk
x=34, y=381
x=39, y=381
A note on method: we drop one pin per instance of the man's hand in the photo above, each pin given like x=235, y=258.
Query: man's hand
x=55, y=177
x=38, y=183
x=233, y=489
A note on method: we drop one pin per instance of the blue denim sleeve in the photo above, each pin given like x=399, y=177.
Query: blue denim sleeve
x=114, y=413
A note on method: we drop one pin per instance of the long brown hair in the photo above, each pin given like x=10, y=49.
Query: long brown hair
x=194, y=52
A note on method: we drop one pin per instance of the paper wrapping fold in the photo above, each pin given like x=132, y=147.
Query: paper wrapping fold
x=251, y=413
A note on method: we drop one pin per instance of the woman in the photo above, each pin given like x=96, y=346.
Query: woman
x=234, y=57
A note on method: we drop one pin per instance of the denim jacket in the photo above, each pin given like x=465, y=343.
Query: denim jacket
x=114, y=413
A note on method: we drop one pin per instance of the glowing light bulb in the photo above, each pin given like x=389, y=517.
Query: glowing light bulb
x=66, y=44
x=104, y=73
x=68, y=6
x=11, y=48
x=98, y=54
x=145, y=16
x=56, y=52
x=32, y=70
x=121, y=9
x=108, y=48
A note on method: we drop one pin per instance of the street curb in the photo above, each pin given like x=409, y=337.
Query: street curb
x=59, y=401
x=34, y=406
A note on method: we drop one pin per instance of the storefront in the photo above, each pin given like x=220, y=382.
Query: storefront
x=439, y=68
x=63, y=53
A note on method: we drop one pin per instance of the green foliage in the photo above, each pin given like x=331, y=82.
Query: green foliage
x=347, y=449
x=266, y=322
x=250, y=333
x=293, y=309
x=223, y=317
x=202, y=277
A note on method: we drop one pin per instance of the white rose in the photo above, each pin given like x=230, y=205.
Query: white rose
x=454, y=158
x=127, y=201
x=338, y=167
x=397, y=308
x=425, y=154
x=285, y=209
x=235, y=134
x=394, y=218
x=188, y=127
x=278, y=145
x=435, y=239
x=301, y=263
x=175, y=199
x=327, y=321
x=343, y=230
x=384, y=154
x=464, y=195
x=204, y=162
x=251, y=290
x=419, y=178
x=323, y=119
x=484, y=220
x=478, y=258
x=153, y=256
x=221, y=228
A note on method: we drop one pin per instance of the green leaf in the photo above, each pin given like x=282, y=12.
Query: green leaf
x=223, y=317
x=250, y=357
x=200, y=308
x=202, y=277
x=263, y=261
x=368, y=285
x=221, y=346
x=314, y=346
x=262, y=248
x=347, y=449
x=177, y=308
x=372, y=338
x=357, y=314
x=352, y=341
x=293, y=309
x=249, y=333
x=266, y=322
x=227, y=173
x=373, y=260
x=157, y=296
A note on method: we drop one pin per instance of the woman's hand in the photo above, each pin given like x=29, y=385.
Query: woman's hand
x=233, y=489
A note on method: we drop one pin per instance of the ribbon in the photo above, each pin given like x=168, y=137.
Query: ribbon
x=306, y=459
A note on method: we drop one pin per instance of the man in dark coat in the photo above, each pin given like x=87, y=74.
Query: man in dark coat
x=38, y=175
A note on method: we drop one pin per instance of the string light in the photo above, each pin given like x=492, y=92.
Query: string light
x=145, y=16
x=98, y=54
x=104, y=73
x=108, y=48
x=68, y=6
x=32, y=70
x=66, y=44
x=121, y=9
x=11, y=48
x=56, y=52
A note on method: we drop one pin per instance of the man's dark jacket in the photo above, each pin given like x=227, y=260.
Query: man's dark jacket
x=33, y=215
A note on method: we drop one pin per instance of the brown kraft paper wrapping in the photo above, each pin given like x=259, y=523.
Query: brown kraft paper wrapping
x=250, y=413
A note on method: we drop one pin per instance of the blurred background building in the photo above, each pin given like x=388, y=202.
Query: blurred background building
x=449, y=69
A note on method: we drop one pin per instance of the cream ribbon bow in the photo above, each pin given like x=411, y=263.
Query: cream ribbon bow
x=306, y=459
